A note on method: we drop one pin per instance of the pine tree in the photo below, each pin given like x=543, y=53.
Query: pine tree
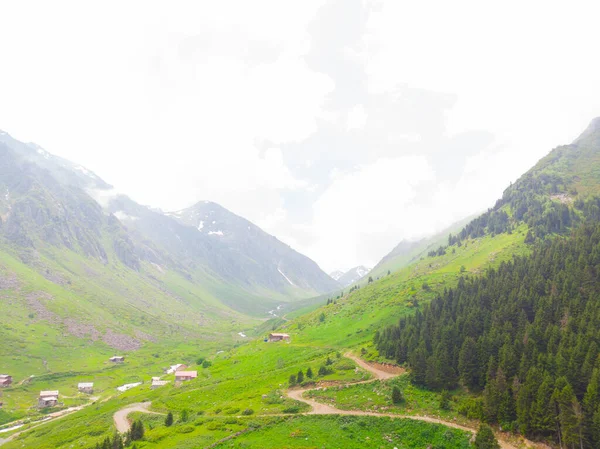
x=309, y=373
x=396, y=395
x=169, y=419
x=468, y=363
x=300, y=377
x=485, y=438
x=292, y=380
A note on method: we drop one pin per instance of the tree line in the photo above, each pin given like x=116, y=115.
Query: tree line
x=526, y=335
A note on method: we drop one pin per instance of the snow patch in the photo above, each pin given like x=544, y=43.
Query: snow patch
x=85, y=171
x=122, y=216
x=220, y=233
x=241, y=334
x=7, y=195
x=43, y=153
x=200, y=226
x=128, y=386
x=286, y=278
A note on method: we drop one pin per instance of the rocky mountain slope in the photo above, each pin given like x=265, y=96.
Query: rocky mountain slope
x=47, y=206
x=353, y=275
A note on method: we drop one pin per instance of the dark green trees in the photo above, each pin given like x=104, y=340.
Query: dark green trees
x=396, y=395
x=309, y=373
x=300, y=377
x=169, y=419
x=526, y=335
x=485, y=438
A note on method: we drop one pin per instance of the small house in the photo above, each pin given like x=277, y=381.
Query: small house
x=182, y=376
x=86, y=387
x=175, y=368
x=48, y=399
x=5, y=380
x=117, y=359
x=158, y=383
x=279, y=337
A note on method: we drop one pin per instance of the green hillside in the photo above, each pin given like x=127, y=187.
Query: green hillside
x=239, y=398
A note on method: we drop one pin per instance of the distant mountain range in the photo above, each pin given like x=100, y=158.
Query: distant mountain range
x=48, y=203
x=351, y=276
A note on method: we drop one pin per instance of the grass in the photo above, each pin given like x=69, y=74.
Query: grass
x=246, y=374
x=350, y=432
x=377, y=397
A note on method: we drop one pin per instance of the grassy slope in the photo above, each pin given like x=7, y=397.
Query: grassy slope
x=252, y=375
x=400, y=261
x=47, y=327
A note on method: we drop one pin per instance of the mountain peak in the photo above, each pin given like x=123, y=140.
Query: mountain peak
x=591, y=135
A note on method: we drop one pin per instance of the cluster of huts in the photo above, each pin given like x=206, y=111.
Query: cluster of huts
x=50, y=398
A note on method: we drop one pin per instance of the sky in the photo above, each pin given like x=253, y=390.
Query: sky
x=342, y=127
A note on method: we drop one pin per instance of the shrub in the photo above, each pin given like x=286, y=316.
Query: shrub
x=292, y=409
x=248, y=412
x=200, y=361
x=397, y=397
x=185, y=429
x=206, y=364
x=185, y=415
x=232, y=411
x=471, y=408
x=214, y=425
x=445, y=400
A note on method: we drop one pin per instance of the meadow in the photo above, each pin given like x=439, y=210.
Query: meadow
x=243, y=388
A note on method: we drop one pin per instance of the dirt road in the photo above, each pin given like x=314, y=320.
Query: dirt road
x=381, y=373
x=120, y=418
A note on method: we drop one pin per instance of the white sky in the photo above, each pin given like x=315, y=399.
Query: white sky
x=341, y=126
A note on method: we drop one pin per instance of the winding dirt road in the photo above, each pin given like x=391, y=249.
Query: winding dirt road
x=120, y=418
x=318, y=408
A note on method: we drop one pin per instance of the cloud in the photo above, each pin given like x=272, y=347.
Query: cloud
x=340, y=126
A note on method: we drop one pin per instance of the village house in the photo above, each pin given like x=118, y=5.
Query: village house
x=181, y=376
x=174, y=368
x=117, y=359
x=279, y=337
x=48, y=399
x=5, y=380
x=86, y=387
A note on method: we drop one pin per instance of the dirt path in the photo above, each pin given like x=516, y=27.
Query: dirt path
x=317, y=408
x=120, y=417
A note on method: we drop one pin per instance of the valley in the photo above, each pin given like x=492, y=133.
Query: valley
x=72, y=300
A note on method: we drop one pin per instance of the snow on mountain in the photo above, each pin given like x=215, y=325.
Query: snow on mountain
x=353, y=275
x=336, y=274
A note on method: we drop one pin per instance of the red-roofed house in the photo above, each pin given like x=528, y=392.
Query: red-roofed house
x=182, y=376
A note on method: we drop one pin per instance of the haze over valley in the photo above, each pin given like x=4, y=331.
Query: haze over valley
x=322, y=224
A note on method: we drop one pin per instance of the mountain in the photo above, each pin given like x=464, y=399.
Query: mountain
x=47, y=205
x=336, y=275
x=210, y=241
x=353, y=275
